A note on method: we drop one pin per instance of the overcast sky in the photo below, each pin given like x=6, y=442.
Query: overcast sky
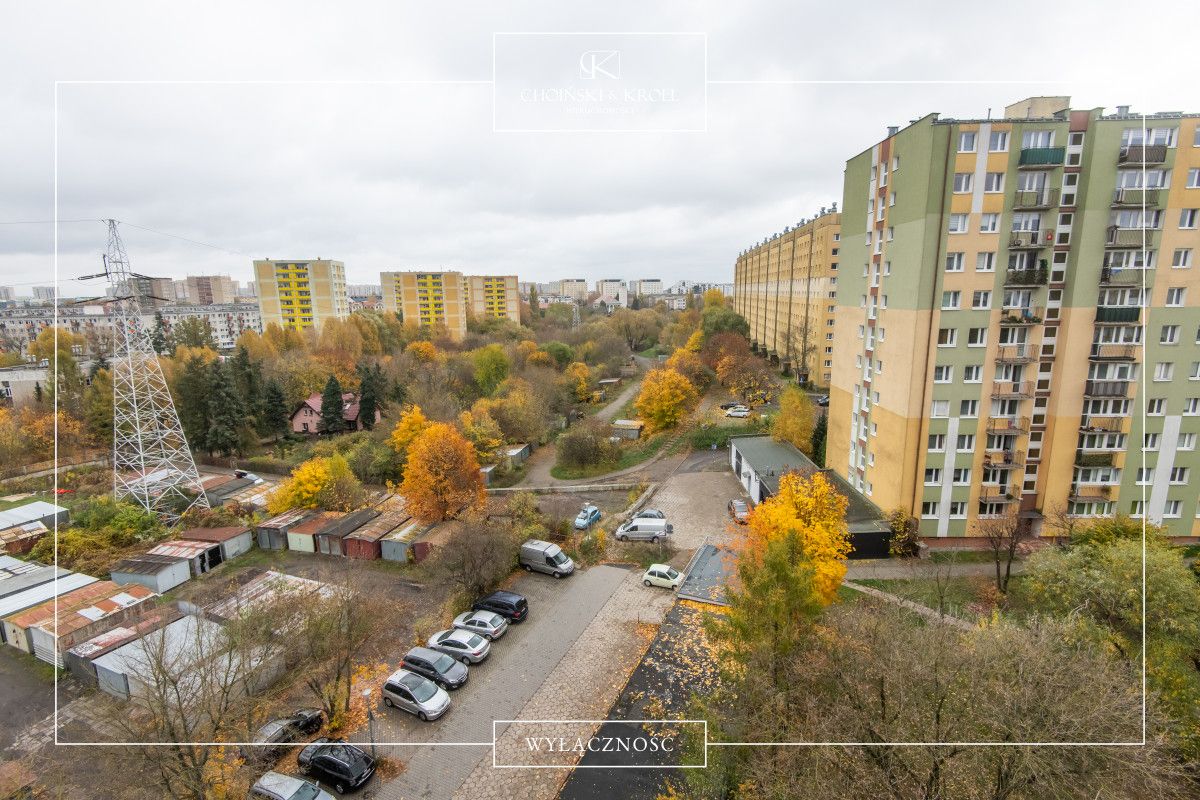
x=403, y=176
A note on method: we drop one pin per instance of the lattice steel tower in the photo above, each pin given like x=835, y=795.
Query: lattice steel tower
x=151, y=460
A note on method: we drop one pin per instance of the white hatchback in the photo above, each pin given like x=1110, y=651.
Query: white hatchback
x=662, y=575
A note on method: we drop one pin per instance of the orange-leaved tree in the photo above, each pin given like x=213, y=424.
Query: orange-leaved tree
x=412, y=423
x=814, y=511
x=689, y=365
x=796, y=420
x=441, y=477
x=665, y=398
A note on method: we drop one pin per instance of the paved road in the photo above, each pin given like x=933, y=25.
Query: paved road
x=498, y=688
x=26, y=695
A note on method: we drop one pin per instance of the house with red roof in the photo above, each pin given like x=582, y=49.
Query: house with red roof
x=307, y=417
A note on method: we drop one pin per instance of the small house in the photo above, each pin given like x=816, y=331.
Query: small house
x=606, y=384
x=233, y=541
x=517, y=453
x=329, y=539
x=35, y=595
x=364, y=543
x=20, y=539
x=227, y=490
x=51, y=628
x=307, y=416
x=487, y=471
x=201, y=556
x=628, y=428
x=398, y=545
x=273, y=533
x=158, y=573
x=302, y=537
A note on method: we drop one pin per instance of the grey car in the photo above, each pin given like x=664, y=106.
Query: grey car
x=486, y=623
x=438, y=667
x=467, y=647
x=277, y=786
x=410, y=692
x=649, y=513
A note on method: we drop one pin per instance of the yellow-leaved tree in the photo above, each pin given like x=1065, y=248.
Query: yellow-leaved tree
x=796, y=420
x=665, y=398
x=326, y=483
x=814, y=511
x=579, y=376
x=695, y=342
x=412, y=423
x=441, y=477
x=689, y=365
x=481, y=431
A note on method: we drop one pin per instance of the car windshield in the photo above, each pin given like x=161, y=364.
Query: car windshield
x=672, y=573
x=492, y=619
x=423, y=690
x=444, y=663
x=560, y=558
x=269, y=731
x=307, y=791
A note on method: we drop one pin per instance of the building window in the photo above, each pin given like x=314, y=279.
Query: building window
x=981, y=300
x=977, y=337
x=958, y=509
x=937, y=442
x=966, y=142
x=950, y=300
x=1187, y=441
x=1182, y=259
x=961, y=476
x=985, y=262
x=968, y=408
x=998, y=141
x=1175, y=295
x=1187, y=216
x=989, y=223
x=1193, y=180
x=943, y=373
x=954, y=262
x=933, y=476
x=1169, y=334
x=972, y=373
x=1179, y=475
x=966, y=442
x=962, y=182
x=958, y=223
x=1163, y=371
x=1172, y=509
x=947, y=337
x=1191, y=406
x=1155, y=406
x=940, y=409
x=1031, y=139
x=929, y=508
x=993, y=182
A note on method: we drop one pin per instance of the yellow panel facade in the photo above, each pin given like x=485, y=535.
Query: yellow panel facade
x=301, y=294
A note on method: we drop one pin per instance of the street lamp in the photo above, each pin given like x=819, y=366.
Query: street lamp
x=366, y=693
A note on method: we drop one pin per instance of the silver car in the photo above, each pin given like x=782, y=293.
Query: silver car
x=410, y=692
x=467, y=647
x=649, y=513
x=486, y=623
x=277, y=786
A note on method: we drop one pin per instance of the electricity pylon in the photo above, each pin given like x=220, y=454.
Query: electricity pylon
x=151, y=460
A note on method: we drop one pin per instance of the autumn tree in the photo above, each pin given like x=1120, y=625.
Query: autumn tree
x=481, y=431
x=441, y=476
x=638, y=328
x=796, y=420
x=491, y=367
x=580, y=377
x=333, y=418
x=191, y=332
x=478, y=556
x=411, y=425
x=815, y=511
x=688, y=364
x=423, y=351
x=57, y=346
x=665, y=399
x=322, y=482
x=721, y=319
x=1005, y=534
x=98, y=408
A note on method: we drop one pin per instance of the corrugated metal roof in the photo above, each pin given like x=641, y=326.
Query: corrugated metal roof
x=213, y=534
x=43, y=592
x=82, y=607
x=381, y=526
x=262, y=589
x=407, y=533
x=318, y=524
x=350, y=522
x=145, y=564
x=288, y=518
x=12, y=584
x=10, y=566
x=181, y=548
x=124, y=634
x=28, y=513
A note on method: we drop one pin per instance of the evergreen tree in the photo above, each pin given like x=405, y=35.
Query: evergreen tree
x=248, y=380
x=368, y=396
x=818, y=440
x=226, y=412
x=37, y=391
x=192, y=388
x=534, y=311
x=332, y=420
x=274, y=410
x=100, y=363
x=160, y=340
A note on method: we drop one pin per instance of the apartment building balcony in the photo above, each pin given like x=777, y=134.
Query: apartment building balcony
x=993, y=493
x=1090, y=493
x=1034, y=199
x=1118, y=313
x=1037, y=276
x=1012, y=389
x=1008, y=425
x=1026, y=315
x=1016, y=354
x=1041, y=157
x=1131, y=237
x=1029, y=240
x=1091, y=423
x=1143, y=154
x=1095, y=459
x=1126, y=277
x=1094, y=388
x=1003, y=458
x=1114, y=352
x=1136, y=198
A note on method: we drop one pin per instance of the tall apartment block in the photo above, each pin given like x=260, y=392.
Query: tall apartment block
x=450, y=298
x=1014, y=293
x=610, y=287
x=645, y=287
x=301, y=294
x=209, y=289
x=575, y=288
x=786, y=288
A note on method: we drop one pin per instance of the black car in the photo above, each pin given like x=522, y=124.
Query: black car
x=337, y=763
x=823, y=400
x=509, y=605
x=727, y=406
x=438, y=667
x=274, y=738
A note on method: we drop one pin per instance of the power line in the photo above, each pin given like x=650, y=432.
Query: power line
x=131, y=225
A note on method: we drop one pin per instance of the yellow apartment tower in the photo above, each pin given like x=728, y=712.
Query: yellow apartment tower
x=450, y=298
x=301, y=294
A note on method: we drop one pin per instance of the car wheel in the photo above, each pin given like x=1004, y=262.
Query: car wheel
x=646, y=582
x=466, y=660
x=623, y=538
x=421, y=715
x=387, y=701
x=528, y=568
x=306, y=769
x=655, y=540
x=557, y=575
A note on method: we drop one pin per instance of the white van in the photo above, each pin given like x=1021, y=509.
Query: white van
x=644, y=530
x=539, y=556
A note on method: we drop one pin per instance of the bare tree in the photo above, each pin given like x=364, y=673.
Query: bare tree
x=1004, y=535
x=478, y=556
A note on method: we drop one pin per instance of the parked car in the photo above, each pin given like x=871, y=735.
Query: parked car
x=539, y=556
x=487, y=624
x=823, y=400
x=739, y=511
x=644, y=530
x=587, y=515
x=274, y=738
x=467, y=647
x=338, y=763
x=410, y=692
x=438, y=667
x=510, y=605
x=649, y=513
x=662, y=575
x=277, y=786
x=741, y=412
x=727, y=406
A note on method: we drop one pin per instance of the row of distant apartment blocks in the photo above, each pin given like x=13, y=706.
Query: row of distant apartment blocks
x=194, y=289
x=1008, y=317
x=304, y=293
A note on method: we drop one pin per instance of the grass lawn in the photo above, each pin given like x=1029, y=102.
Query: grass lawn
x=957, y=593
x=962, y=557
x=631, y=456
